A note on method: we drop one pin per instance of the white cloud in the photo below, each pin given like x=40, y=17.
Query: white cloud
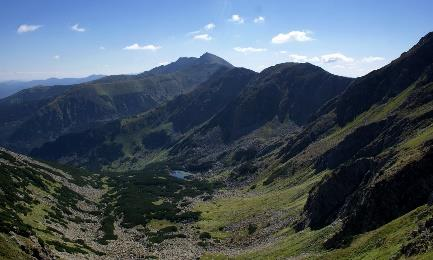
x=136, y=46
x=335, y=57
x=163, y=63
x=371, y=59
x=102, y=48
x=249, y=49
x=314, y=59
x=326, y=58
x=56, y=57
x=23, y=28
x=237, y=19
x=203, y=37
x=283, y=52
x=76, y=27
x=339, y=67
x=298, y=58
x=194, y=32
x=259, y=19
x=298, y=36
x=209, y=26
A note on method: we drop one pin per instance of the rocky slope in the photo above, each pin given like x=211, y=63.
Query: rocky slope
x=52, y=213
x=381, y=167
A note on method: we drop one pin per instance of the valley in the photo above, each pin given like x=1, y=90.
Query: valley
x=198, y=159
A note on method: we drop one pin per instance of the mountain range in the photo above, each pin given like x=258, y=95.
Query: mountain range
x=199, y=158
x=56, y=111
x=10, y=87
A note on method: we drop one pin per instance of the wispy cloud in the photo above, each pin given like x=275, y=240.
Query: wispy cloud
x=76, y=27
x=298, y=58
x=259, y=19
x=194, y=32
x=24, y=28
x=326, y=58
x=102, y=48
x=56, y=57
x=335, y=57
x=298, y=36
x=137, y=47
x=163, y=63
x=202, y=37
x=371, y=59
x=209, y=26
x=249, y=49
x=203, y=34
x=236, y=19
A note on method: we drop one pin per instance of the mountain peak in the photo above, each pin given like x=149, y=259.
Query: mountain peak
x=212, y=58
x=185, y=62
x=207, y=55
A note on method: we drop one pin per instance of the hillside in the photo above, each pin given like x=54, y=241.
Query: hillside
x=52, y=212
x=133, y=141
x=222, y=104
x=82, y=106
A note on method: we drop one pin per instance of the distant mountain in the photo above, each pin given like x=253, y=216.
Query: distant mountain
x=85, y=105
x=8, y=88
x=229, y=105
x=150, y=132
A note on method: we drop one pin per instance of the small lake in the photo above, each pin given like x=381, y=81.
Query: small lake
x=180, y=174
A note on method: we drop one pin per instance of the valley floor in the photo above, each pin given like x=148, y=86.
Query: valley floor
x=250, y=223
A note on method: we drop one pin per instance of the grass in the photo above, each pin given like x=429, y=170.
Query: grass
x=157, y=224
x=382, y=243
x=23, y=184
x=9, y=249
x=374, y=114
x=419, y=138
x=219, y=213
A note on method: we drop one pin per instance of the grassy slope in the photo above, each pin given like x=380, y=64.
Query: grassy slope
x=33, y=215
x=381, y=243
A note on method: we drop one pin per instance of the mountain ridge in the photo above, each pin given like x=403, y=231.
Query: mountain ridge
x=86, y=105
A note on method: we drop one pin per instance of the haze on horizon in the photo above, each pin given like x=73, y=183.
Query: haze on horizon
x=74, y=39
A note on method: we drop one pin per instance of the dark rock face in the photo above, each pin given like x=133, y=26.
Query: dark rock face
x=389, y=198
x=358, y=194
x=350, y=146
x=327, y=198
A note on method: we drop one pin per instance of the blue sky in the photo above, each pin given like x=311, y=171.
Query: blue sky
x=52, y=38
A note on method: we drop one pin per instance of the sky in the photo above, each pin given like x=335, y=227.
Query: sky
x=52, y=38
